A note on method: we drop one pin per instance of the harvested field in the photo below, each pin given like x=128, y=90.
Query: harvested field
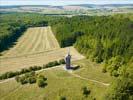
x=37, y=46
x=16, y=63
x=34, y=40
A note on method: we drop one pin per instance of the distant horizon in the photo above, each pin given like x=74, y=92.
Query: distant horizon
x=69, y=4
x=61, y=2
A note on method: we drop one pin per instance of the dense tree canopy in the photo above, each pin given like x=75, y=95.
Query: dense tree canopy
x=107, y=39
x=101, y=38
x=122, y=88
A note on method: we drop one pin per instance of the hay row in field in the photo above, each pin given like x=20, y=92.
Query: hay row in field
x=34, y=40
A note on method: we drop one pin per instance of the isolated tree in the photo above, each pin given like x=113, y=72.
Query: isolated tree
x=41, y=83
x=85, y=91
x=63, y=98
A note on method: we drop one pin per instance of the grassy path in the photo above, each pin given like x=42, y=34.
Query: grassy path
x=88, y=79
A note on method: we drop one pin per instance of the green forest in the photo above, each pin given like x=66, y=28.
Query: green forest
x=103, y=39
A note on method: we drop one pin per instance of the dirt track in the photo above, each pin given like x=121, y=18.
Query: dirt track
x=37, y=46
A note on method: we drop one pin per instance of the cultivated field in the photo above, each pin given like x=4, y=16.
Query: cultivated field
x=34, y=40
x=37, y=46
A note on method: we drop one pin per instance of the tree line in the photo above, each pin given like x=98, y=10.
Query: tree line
x=11, y=74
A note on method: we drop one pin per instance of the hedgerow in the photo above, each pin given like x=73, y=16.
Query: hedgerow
x=30, y=69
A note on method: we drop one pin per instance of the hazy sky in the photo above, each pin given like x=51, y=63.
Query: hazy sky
x=62, y=2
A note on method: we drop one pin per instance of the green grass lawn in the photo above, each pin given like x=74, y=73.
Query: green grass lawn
x=60, y=84
x=92, y=70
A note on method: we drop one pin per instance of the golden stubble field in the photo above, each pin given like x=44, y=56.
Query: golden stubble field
x=37, y=46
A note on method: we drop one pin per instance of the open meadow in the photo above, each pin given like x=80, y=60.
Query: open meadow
x=60, y=83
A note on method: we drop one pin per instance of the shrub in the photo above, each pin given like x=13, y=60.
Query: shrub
x=27, y=75
x=42, y=77
x=4, y=76
x=104, y=70
x=114, y=64
x=62, y=98
x=16, y=73
x=86, y=91
x=55, y=63
x=114, y=73
x=0, y=54
x=27, y=78
x=51, y=64
x=44, y=66
x=32, y=80
x=10, y=74
x=24, y=71
x=0, y=77
x=62, y=61
x=39, y=68
x=41, y=83
x=17, y=78
x=98, y=59
x=23, y=80
x=30, y=74
x=33, y=68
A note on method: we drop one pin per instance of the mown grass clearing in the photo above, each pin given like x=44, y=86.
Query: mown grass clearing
x=92, y=70
x=60, y=84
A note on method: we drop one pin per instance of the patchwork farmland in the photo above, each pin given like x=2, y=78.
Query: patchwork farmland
x=37, y=46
